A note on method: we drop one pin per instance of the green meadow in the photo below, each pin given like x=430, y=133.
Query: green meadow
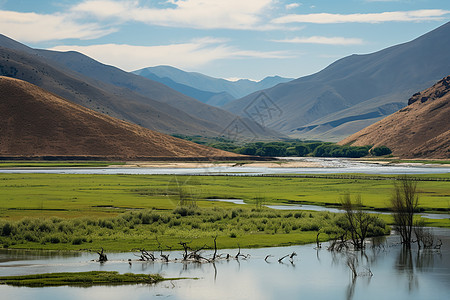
x=81, y=279
x=123, y=212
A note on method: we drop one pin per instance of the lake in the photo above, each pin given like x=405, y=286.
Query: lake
x=313, y=274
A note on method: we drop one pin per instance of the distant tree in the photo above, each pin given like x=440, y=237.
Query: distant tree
x=313, y=146
x=248, y=150
x=302, y=150
x=322, y=151
x=271, y=150
x=404, y=202
x=357, y=152
x=380, y=151
x=338, y=152
x=290, y=151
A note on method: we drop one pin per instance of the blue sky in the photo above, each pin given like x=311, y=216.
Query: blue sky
x=221, y=38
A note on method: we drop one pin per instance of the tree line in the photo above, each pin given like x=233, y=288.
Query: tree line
x=301, y=148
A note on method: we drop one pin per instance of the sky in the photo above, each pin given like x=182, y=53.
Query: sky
x=229, y=39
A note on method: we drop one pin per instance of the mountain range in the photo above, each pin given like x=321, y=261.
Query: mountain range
x=421, y=129
x=120, y=94
x=36, y=123
x=355, y=91
x=210, y=90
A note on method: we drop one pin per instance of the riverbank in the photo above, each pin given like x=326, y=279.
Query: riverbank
x=280, y=162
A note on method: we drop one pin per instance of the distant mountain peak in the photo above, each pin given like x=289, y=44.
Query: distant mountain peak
x=358, y=90
x=200, y=82
x=112, y=91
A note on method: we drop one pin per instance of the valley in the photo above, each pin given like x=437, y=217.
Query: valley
x=122, y=162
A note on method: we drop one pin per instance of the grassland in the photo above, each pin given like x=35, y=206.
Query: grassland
x=122, y=212
x=71, y=195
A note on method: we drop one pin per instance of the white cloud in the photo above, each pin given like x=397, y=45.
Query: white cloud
x=399, y=16
x=33, y=27
x=323, y=40
x=293, y=5
x=184, y=55
x=211, y=14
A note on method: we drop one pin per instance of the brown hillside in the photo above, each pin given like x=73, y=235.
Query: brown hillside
x=35, y=122
x=420, y=130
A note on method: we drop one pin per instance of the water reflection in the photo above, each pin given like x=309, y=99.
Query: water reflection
x=405, y=266
x=315, y=273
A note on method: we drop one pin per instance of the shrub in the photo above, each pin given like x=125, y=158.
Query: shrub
x=78, y=241
x=184, y=211
x=7, y=229
x=54, y=240
x=30, y=237
x=380, y=151
x=298, y=215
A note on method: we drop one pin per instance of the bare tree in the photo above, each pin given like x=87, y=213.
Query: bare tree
x=404, y=201
x=358, y=221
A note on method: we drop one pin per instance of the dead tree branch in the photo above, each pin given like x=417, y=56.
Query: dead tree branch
x=102, y=256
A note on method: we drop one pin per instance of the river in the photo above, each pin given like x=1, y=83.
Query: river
x=324, y=208
x=321, y=166
x=312, y=274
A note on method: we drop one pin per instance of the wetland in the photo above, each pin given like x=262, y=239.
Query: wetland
x=122, y=209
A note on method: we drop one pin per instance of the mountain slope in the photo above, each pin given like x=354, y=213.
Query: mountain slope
x=357, y=90
x=422, y=129
x=37, y=123
x=200, y=81
x=218, y=118
x=104, y=98
x=107, y=89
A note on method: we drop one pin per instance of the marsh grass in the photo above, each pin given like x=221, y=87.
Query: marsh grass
x=152, y=228
x=122, y=212
x=66, y=195
x=84, y=279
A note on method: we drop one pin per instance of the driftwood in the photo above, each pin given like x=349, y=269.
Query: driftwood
x=242, y=255
x=102, y=256
x=165, y=257
x=291, y=257
x=215, y=249
x=319, y=245
x=194, y=254
x=145, y=256
x=338, y=244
